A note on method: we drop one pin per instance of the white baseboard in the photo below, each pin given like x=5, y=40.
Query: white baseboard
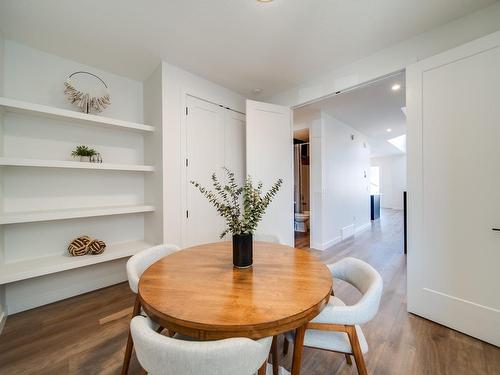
x=362, y=228
x=347, y=232
x=392, y=208
x=338, y=239
x=39, y=291
x=327, y=244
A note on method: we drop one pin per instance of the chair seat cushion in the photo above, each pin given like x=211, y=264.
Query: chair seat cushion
x=336, y=341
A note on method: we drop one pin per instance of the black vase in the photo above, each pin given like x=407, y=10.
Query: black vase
x=242, y=250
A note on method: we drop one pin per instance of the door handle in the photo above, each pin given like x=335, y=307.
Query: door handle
x=496, y=229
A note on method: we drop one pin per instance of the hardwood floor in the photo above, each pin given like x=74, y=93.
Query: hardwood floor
x=302, y=240
x=87, y=334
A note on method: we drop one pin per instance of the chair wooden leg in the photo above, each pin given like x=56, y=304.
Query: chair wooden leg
x=356, y=350
x=348, y=359
x=130, y=343
x=263, y=369
x=298, y=347
x=275, y=356
x=170, y=333
x=286, y=344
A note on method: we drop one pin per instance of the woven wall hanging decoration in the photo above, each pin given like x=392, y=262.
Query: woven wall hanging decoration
x=83, y=100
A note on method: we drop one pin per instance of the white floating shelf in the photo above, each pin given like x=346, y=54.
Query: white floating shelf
x=22, y=270
x=17, y=106
x=72, y=213
x=19, y=162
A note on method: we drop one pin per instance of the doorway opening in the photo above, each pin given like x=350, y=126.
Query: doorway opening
x=357, y=168
x=301, y=174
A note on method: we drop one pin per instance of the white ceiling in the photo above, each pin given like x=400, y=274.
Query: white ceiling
x=371, y=109
x=241, y=44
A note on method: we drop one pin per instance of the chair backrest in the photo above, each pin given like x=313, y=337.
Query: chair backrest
x=266, y=237
x=162, y=355
x=138, y=263
x=364, y=278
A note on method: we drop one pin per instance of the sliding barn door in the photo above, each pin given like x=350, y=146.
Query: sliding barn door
x=269, y=157
x=454, y=188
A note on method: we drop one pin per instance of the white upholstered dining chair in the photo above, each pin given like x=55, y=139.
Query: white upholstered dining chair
x=337, y=328
x=136, y=265
x=162, y=355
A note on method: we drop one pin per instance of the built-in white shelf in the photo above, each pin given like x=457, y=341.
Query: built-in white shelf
x=34, y=267
x=72, y=213
x=17, y=106
x=20, y=162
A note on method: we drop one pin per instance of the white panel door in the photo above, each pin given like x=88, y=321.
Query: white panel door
x=234, y=138
x=205, y=154
x=269, y=157
x=454, y=188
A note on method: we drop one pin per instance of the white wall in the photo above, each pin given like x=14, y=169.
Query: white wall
x=395, y=58
x=392, y=180
x=38, y=77
x=340, y=197
x=153, y=155
x=177, y=83
x=3, y=310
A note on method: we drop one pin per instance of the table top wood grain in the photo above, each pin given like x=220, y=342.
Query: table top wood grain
x=197, y=292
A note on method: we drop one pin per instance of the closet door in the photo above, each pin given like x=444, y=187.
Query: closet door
x=454, y=196
x=234, y=139
x=215, y=138
x=269, y=142
x=205, y=155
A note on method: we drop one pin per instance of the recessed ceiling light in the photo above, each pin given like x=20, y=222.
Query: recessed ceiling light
x=264, y=1
x=256, y=91
x=388, y=130
x=396, y=87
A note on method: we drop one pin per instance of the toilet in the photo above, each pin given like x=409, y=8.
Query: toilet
x=301, y=221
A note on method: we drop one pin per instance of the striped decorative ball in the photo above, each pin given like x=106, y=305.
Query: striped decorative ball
x=96, y=247
x=78, y=246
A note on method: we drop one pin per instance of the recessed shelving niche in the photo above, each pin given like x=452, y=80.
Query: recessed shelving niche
x=119, y=199
x=47, y=198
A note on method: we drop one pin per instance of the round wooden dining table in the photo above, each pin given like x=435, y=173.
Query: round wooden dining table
x=198, y=293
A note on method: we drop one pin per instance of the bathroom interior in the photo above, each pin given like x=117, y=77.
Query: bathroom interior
x=301, y=186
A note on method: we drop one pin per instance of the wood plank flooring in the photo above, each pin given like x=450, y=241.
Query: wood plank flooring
x=87, y=334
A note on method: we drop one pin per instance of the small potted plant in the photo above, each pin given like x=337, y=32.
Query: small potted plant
x=242, y=207
x=84, y=153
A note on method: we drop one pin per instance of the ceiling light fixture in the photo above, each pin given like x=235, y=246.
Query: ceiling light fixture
x=264, y=1
x=256, y=91
x=388, y=130
x=396, y=87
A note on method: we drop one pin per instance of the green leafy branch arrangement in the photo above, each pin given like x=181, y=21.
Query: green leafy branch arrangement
x=240, y=219
x=83, y=151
